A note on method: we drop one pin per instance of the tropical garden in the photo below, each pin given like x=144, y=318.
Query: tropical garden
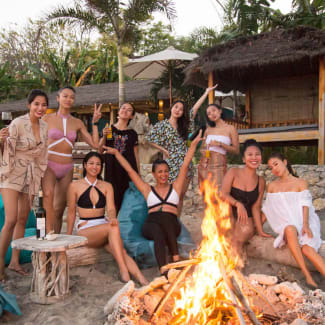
x=90, y=42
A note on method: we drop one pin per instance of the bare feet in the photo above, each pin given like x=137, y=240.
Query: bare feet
x=124, y=277
x=142, y=280
x=311, y=283
x=17, y=268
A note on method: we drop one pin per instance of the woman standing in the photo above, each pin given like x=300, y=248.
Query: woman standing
x=170, y=136
x=162, y=225
x=243, y=189
x=91, y=196
x=125, y=140
x=289, y=210
x=22, y=165
x=221, y=138
x=62, y=134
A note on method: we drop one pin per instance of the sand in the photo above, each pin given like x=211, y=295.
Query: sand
x=92, y=286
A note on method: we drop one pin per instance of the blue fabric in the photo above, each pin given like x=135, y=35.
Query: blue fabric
x=131, y=217
x=8, y=302
x=25, y=256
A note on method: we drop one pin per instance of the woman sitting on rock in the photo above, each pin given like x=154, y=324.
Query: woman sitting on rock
x=244, y=189
x=162, y=225
x=91, y=195
x=289, y=210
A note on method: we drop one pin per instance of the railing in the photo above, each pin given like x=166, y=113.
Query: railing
x=267, y=124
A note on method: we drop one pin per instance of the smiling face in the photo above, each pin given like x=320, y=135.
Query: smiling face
x=93, y=166
x=66, y=98
x=177, y=110
x=278, y=167
x=213, y=113
x=252, y=157
x=126, y=112
x=38, y=106
x=161, y=173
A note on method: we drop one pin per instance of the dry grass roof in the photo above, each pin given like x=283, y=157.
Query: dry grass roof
x=239, y=62
x=106, y=93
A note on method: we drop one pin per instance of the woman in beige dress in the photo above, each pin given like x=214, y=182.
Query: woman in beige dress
x=23, y=161
x=62, y=134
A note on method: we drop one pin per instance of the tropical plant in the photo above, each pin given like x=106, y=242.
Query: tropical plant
x=118, y=19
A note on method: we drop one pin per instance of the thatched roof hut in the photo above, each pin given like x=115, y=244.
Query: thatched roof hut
x=238, y=63
x=283, y=76
x=137, y=92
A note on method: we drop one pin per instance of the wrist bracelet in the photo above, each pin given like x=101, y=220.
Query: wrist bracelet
x=96, y=123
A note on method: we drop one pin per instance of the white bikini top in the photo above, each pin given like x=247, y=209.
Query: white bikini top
x=220, y=138
x=64, y=137
x=154, y=199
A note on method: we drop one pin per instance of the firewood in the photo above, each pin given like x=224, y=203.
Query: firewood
x=179, y=264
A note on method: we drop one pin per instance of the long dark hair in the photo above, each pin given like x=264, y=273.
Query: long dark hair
x=182, y=122
x=133, y=109
x=87, y=157
x=280, y=156
x=250, y=143
x=209, y=122
x=37, y=92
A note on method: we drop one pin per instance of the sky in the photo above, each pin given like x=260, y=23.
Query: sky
x=191, y=14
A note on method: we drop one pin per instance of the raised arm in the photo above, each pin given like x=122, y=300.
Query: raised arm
x=201, y=100
x=72, y=202
x=92, y=140
x=178, y=183
x=142, y=186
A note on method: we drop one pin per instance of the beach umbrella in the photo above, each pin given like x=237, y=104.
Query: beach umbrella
x=153, y=65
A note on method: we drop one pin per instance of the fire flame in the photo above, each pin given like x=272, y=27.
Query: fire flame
x=203, y=296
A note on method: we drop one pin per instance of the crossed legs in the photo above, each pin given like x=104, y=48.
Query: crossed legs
x=298, y=253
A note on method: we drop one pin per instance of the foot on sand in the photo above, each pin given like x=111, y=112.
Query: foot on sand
x=124, y=277
x=311, y=284
x=18, y=269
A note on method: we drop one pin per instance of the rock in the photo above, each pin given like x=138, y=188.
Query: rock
x=311, y=177
x=283, y=298
x=271, y=295
x=319, y=204
x=299, y=321
x=321, y=183
x=263, y=279
x=289, y=289
x=150, y=303
x=126, y=290
x=317, y=192
x=172, y=275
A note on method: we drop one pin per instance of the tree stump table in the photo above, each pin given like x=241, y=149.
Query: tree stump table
x=50, y=282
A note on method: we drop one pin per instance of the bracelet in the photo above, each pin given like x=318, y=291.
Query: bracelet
x=96, y=123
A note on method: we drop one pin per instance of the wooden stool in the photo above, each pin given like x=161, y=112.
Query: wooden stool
x=50, y=281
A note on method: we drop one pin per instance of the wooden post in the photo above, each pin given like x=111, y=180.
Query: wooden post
x=211, y=84
x=248, y=107
x=321, y=112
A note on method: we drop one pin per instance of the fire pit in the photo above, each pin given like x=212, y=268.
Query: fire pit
x=207, y=289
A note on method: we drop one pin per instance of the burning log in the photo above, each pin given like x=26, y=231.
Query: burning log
x=179, y=264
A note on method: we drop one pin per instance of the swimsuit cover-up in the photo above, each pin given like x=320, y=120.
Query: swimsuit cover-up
x=23, y=161
x=286, y=208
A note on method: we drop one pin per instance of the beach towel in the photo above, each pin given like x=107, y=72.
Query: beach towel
x=131, y=217
x=8, y=302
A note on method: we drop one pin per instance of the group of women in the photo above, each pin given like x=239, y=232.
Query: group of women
x=43, y=146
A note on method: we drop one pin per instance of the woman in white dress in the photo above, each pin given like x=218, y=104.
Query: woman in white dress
x=221, y=138
x=289, y=210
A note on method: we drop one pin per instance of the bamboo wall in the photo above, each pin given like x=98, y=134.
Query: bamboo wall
x=285, y=100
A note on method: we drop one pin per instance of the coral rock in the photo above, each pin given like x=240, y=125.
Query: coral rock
x=263, y=279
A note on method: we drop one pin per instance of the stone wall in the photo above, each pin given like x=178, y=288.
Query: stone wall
x=313, y=174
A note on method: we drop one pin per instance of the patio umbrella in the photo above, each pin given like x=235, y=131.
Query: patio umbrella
x=153, y=65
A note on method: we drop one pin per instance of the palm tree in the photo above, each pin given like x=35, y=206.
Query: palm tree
x=115, y=18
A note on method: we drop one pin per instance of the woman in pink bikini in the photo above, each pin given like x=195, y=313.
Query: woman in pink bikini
x=62, y=134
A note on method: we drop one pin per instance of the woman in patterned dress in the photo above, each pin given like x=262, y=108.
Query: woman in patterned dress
x=23, y=161
x=169, y=136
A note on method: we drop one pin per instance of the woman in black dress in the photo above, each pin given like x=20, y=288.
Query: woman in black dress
x=125, y=140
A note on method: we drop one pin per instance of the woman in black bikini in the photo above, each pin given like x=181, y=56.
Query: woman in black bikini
x=161, y=225
x=91, y=195
x=243, y=189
